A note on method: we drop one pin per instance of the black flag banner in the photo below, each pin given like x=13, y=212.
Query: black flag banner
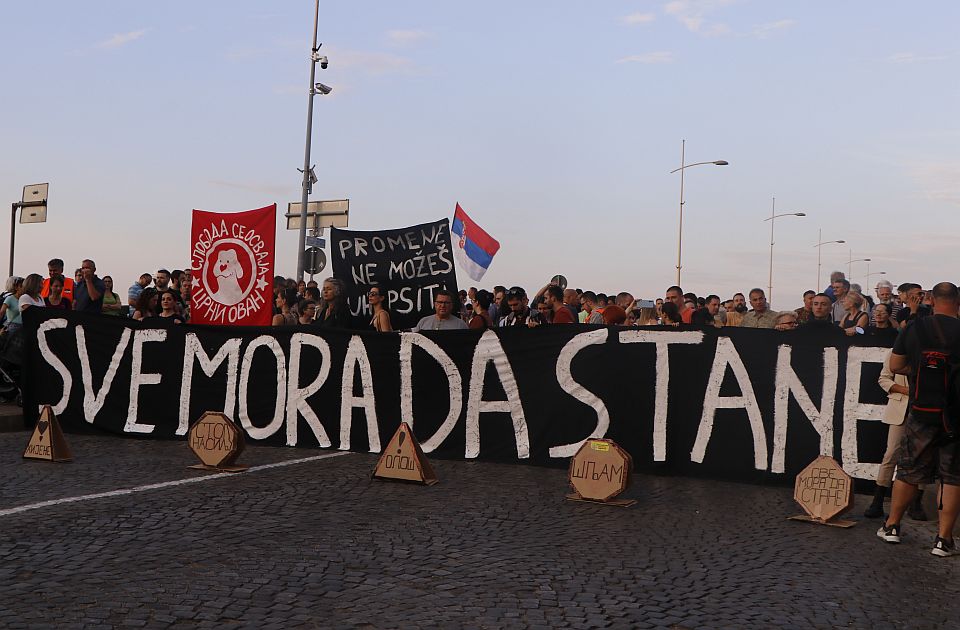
x=409, y=264
x=742, y=404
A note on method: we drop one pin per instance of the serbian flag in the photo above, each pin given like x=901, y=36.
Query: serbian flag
x=475, y=248
x=231, y=264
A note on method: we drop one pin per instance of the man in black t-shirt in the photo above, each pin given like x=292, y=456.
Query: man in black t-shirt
x=913, y=306
x=926, y=453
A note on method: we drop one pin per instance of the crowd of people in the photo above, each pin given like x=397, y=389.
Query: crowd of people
x=923, y=440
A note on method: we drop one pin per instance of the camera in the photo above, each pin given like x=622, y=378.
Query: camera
x=324, y=62
x=320, y=88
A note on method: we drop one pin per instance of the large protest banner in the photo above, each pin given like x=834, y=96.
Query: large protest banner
x=231, y=260
x=730, y=403
x=409, y=264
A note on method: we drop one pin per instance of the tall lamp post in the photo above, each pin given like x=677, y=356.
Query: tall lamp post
x=850, y=264
x=821, y=243
x=309, y=177
x=875, y=273
x=683, y=146
x=773, y=217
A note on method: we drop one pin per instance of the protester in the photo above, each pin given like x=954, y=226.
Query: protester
x=285, y=303
x=161, y=281
x=805, y=312
x=168, y=307
x=11, y=289
x=518, y=312
x=55, y=268
x=760, y=316
x=186, y=293
x=835, y=276
x=133, y=293
x=111, y=301
x=898, y=394
x=588, y=303
x=88, y=295
x=821, y=310
x=308, y=310
x=634, y=316
x=883, y=324
x=928, y=450
x=913, y=306
x=709, y=315
x=378, y=301
x=333, y=313
x=553, y=297
x=614, y=315
x=544, y=315
x=854, y=320
x=498, y=309
x=146, y=304
x=30, y=294
x=481, y=318
x=442, y=319
x=670, y=314
x=786, y=320
x=55, y=299
x=10, y=310
x=840, y=289
x=675, y=295
x=884, y=291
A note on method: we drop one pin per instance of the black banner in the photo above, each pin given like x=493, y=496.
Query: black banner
x=728, y=403
x=409, y=264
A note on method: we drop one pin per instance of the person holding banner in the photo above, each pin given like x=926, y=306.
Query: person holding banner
x=334, y=312
x=443, y=319
x=377, y=299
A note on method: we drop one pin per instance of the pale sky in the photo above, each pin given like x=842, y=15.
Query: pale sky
x=554, y=124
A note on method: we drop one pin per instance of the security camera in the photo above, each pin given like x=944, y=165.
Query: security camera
x=322, y=89
x=324, y=62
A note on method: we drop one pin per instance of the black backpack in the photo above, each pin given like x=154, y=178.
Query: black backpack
x=936, y=382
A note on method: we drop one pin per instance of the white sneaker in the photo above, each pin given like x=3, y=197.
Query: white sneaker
x=944, y=548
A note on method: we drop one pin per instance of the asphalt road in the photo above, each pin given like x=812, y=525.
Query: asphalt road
x=318, y=544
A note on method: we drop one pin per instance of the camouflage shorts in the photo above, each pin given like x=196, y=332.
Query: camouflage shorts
x=925, y=455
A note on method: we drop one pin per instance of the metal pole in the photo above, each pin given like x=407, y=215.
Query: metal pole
x=13, y=232
x=302, y=240
x=773, y=208
x=850, y=265
x=683, y=146
x=819, y=245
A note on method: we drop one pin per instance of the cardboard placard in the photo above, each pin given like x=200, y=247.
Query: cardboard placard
x=599, y=472
x=47, y=441
x=216, y=441
x=824, y=491
x=403, y=459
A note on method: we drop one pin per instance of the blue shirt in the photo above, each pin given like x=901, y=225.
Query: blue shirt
x=82, y=301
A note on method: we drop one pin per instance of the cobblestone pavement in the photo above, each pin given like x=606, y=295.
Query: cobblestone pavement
x=317, y=544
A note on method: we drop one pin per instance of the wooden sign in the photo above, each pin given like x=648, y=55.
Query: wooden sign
x=599, y=472
x=403, y=459
x=824, y=491
x=47, y=441
x=217, y=442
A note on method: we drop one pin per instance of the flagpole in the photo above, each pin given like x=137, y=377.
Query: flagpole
x=302, y=236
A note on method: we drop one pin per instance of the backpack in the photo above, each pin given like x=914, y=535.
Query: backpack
x=936, y=397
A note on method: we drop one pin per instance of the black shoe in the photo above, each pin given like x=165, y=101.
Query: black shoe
x=915, y=511
x=889, y=533
x=944, y=548
x=875, y=510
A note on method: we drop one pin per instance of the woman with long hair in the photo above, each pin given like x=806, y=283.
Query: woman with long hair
x=480, y=320
x=146, y=304
x=56, y=299
x=333, y=312
x=377, y=299
x=286, y=303
x=30, y=294
x=168, y=307
x=111, y=301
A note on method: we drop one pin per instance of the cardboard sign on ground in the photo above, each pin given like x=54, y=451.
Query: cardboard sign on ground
x=403, y=459
x=824, y=491
x=47, y=441
x=217, y=442
x=599, y=472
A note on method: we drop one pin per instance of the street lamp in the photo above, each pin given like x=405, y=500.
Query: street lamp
x=850, y=265
x=309, y=177
x=683, y=145
x=772, y=219
x=821, y=243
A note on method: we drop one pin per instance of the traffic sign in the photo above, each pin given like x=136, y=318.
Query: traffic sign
x=315, y=260
x=316, y=241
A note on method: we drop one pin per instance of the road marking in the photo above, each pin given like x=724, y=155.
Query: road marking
x=165, y=484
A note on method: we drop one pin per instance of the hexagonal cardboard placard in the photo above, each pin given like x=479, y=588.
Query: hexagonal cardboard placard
x=600, y=471
x=823, y=489
x=215, y=440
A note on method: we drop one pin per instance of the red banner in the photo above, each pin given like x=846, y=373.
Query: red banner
x=231, y=256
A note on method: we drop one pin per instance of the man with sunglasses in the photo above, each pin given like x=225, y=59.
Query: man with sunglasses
x=443, y=319
x=518, y=313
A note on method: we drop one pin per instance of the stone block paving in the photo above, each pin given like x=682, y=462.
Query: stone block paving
x=320, y=545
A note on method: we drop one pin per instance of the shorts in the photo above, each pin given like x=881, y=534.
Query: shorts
x=925, y=455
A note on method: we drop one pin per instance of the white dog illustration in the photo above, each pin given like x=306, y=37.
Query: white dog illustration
x=228, y=273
